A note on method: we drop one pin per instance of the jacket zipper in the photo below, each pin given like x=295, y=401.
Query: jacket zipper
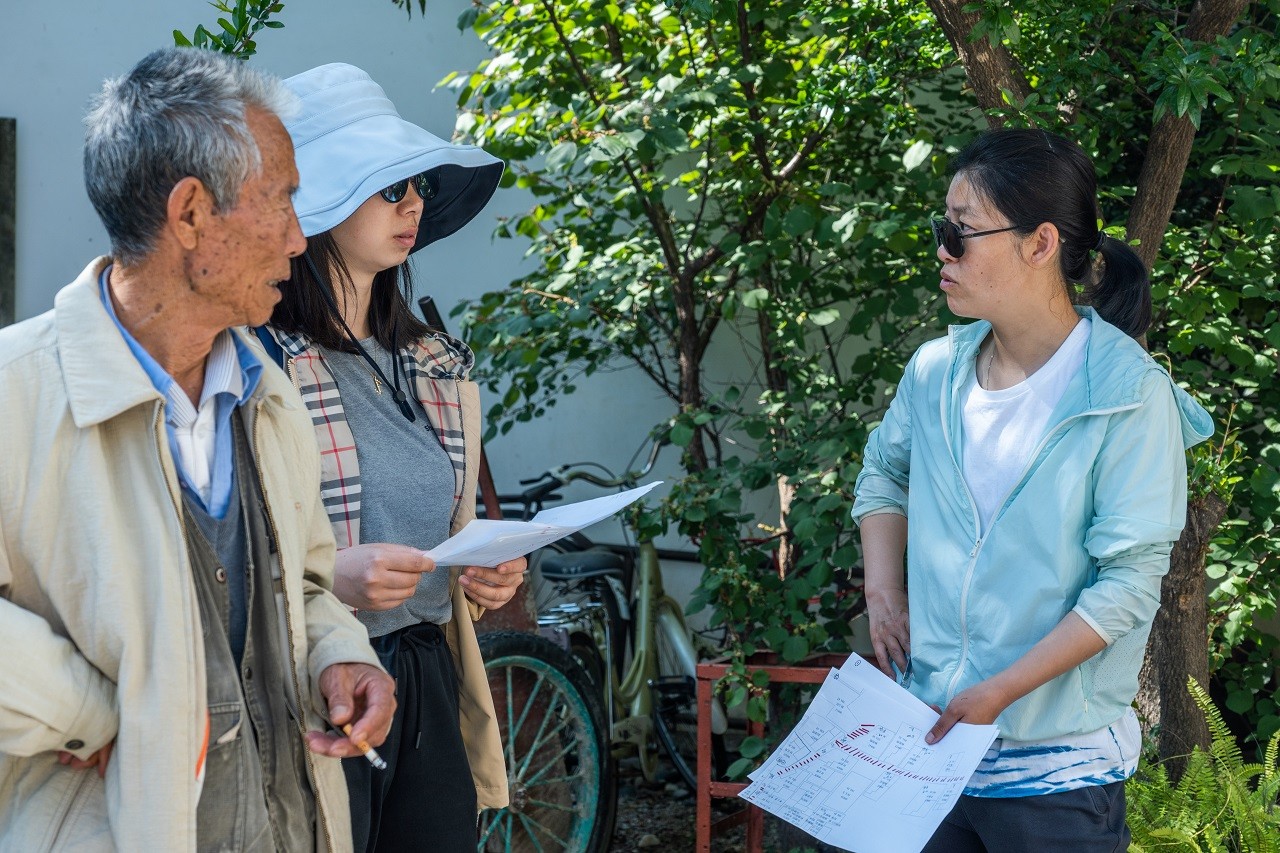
x=288, y=620
x=967, y=582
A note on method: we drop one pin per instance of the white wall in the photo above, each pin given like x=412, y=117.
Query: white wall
x=54, y=56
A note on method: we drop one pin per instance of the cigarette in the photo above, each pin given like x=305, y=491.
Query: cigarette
x=369, y=752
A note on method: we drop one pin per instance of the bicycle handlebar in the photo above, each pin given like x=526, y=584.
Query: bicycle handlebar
x=541, y=487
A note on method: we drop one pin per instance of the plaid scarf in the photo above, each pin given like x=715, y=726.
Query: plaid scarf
x=436, y=365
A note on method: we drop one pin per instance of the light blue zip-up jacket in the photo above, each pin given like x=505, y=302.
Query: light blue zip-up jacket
x=1088, y=526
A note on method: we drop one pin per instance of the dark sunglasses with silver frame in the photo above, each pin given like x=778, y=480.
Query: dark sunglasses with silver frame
x=948, y=234
x=424, y=182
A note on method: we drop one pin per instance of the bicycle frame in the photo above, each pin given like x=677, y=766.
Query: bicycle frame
x=652, y=611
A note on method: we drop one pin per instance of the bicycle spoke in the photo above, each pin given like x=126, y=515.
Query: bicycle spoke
x=542, y=739
x=555, y=760
x=511, y=730
x=539, y=738
x=497, y=819
x=556, y=807
x=564, y=845
x=533, y=836
x=529, y=702
x=510, y=834
x=555, y=780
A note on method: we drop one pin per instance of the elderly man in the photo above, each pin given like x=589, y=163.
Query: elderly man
x=165, y=560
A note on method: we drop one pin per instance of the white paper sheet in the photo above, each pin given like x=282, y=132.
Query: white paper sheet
x=485, y=542
x=855, y=772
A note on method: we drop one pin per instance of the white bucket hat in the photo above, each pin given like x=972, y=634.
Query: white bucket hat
x=350, y=143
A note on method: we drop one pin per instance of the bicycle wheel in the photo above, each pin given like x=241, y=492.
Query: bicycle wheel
x=563, y=795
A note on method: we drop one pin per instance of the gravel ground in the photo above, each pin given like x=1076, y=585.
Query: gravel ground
x=656, y=817
x=662, y=817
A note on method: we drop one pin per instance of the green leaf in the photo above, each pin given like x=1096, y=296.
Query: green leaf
x=795, y=649
x=752, y=747
x=798, y=220
x=467, y=19
x=916, y=154
x=755, y=298
x=608, y=148
x=1240, y=701
x=561, y=156
x=824, y=317
x=681, y=435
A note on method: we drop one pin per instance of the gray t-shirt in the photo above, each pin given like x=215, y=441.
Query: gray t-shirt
x=406, y=481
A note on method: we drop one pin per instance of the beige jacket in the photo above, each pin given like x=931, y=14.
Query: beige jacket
x=98, y=613
x=437, y=366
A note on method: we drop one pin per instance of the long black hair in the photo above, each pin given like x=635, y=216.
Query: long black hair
x=303, y=308
x=1032, y=177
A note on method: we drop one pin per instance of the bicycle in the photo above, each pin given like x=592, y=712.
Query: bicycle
x=612, y=595
x=606, y=595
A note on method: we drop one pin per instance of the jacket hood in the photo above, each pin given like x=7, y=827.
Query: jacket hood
x=1115, y=365
x=350, y=142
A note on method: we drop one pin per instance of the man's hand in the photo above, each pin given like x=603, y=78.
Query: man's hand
x=378, y=575
x=890, y=628
x=99, y=760
x=359, y=694
x=492, y=588
x=979, y=704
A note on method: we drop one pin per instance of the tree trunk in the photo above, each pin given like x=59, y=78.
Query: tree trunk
x=990, y=68
x=1170, y=145
x=1179, y=642
x=1179, y=645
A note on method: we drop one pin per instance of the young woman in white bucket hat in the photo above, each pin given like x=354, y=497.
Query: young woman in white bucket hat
x=398, y=424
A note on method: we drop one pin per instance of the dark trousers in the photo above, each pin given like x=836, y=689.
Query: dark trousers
x=425, y=797
x=1086, y=820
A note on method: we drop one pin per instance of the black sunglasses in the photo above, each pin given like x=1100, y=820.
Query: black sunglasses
x=947, y=234
x=423, y=182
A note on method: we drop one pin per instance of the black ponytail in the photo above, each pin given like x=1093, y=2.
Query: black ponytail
x=1122, y=294
x=1031, y=177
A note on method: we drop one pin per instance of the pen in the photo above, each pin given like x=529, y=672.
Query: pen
x=369, y=752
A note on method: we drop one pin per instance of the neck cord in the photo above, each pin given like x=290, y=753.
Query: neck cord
x=402, y=402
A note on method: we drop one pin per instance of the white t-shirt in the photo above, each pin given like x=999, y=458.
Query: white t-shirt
x=1003, y=428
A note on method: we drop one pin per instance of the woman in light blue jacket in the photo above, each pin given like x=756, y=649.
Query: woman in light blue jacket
x=1039, y=454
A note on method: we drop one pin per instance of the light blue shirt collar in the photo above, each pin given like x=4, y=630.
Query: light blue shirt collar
x=231, y=376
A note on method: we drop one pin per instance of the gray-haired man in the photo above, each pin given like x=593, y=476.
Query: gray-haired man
x=164, y=559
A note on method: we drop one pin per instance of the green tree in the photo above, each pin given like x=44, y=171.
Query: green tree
x=757, y=174
x=761, y=179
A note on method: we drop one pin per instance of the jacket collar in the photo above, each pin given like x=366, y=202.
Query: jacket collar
x=1115, y=366
x=1111, y=377
x=103, y=379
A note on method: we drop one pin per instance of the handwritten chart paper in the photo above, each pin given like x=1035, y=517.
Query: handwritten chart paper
x=855, y=772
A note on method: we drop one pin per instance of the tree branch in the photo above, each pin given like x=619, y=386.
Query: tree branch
x=990, y=68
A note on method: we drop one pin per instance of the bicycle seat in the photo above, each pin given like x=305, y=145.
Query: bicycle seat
x=578, y=565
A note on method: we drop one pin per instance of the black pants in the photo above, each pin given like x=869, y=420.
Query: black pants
x=1085, y=820
x=425, y=797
